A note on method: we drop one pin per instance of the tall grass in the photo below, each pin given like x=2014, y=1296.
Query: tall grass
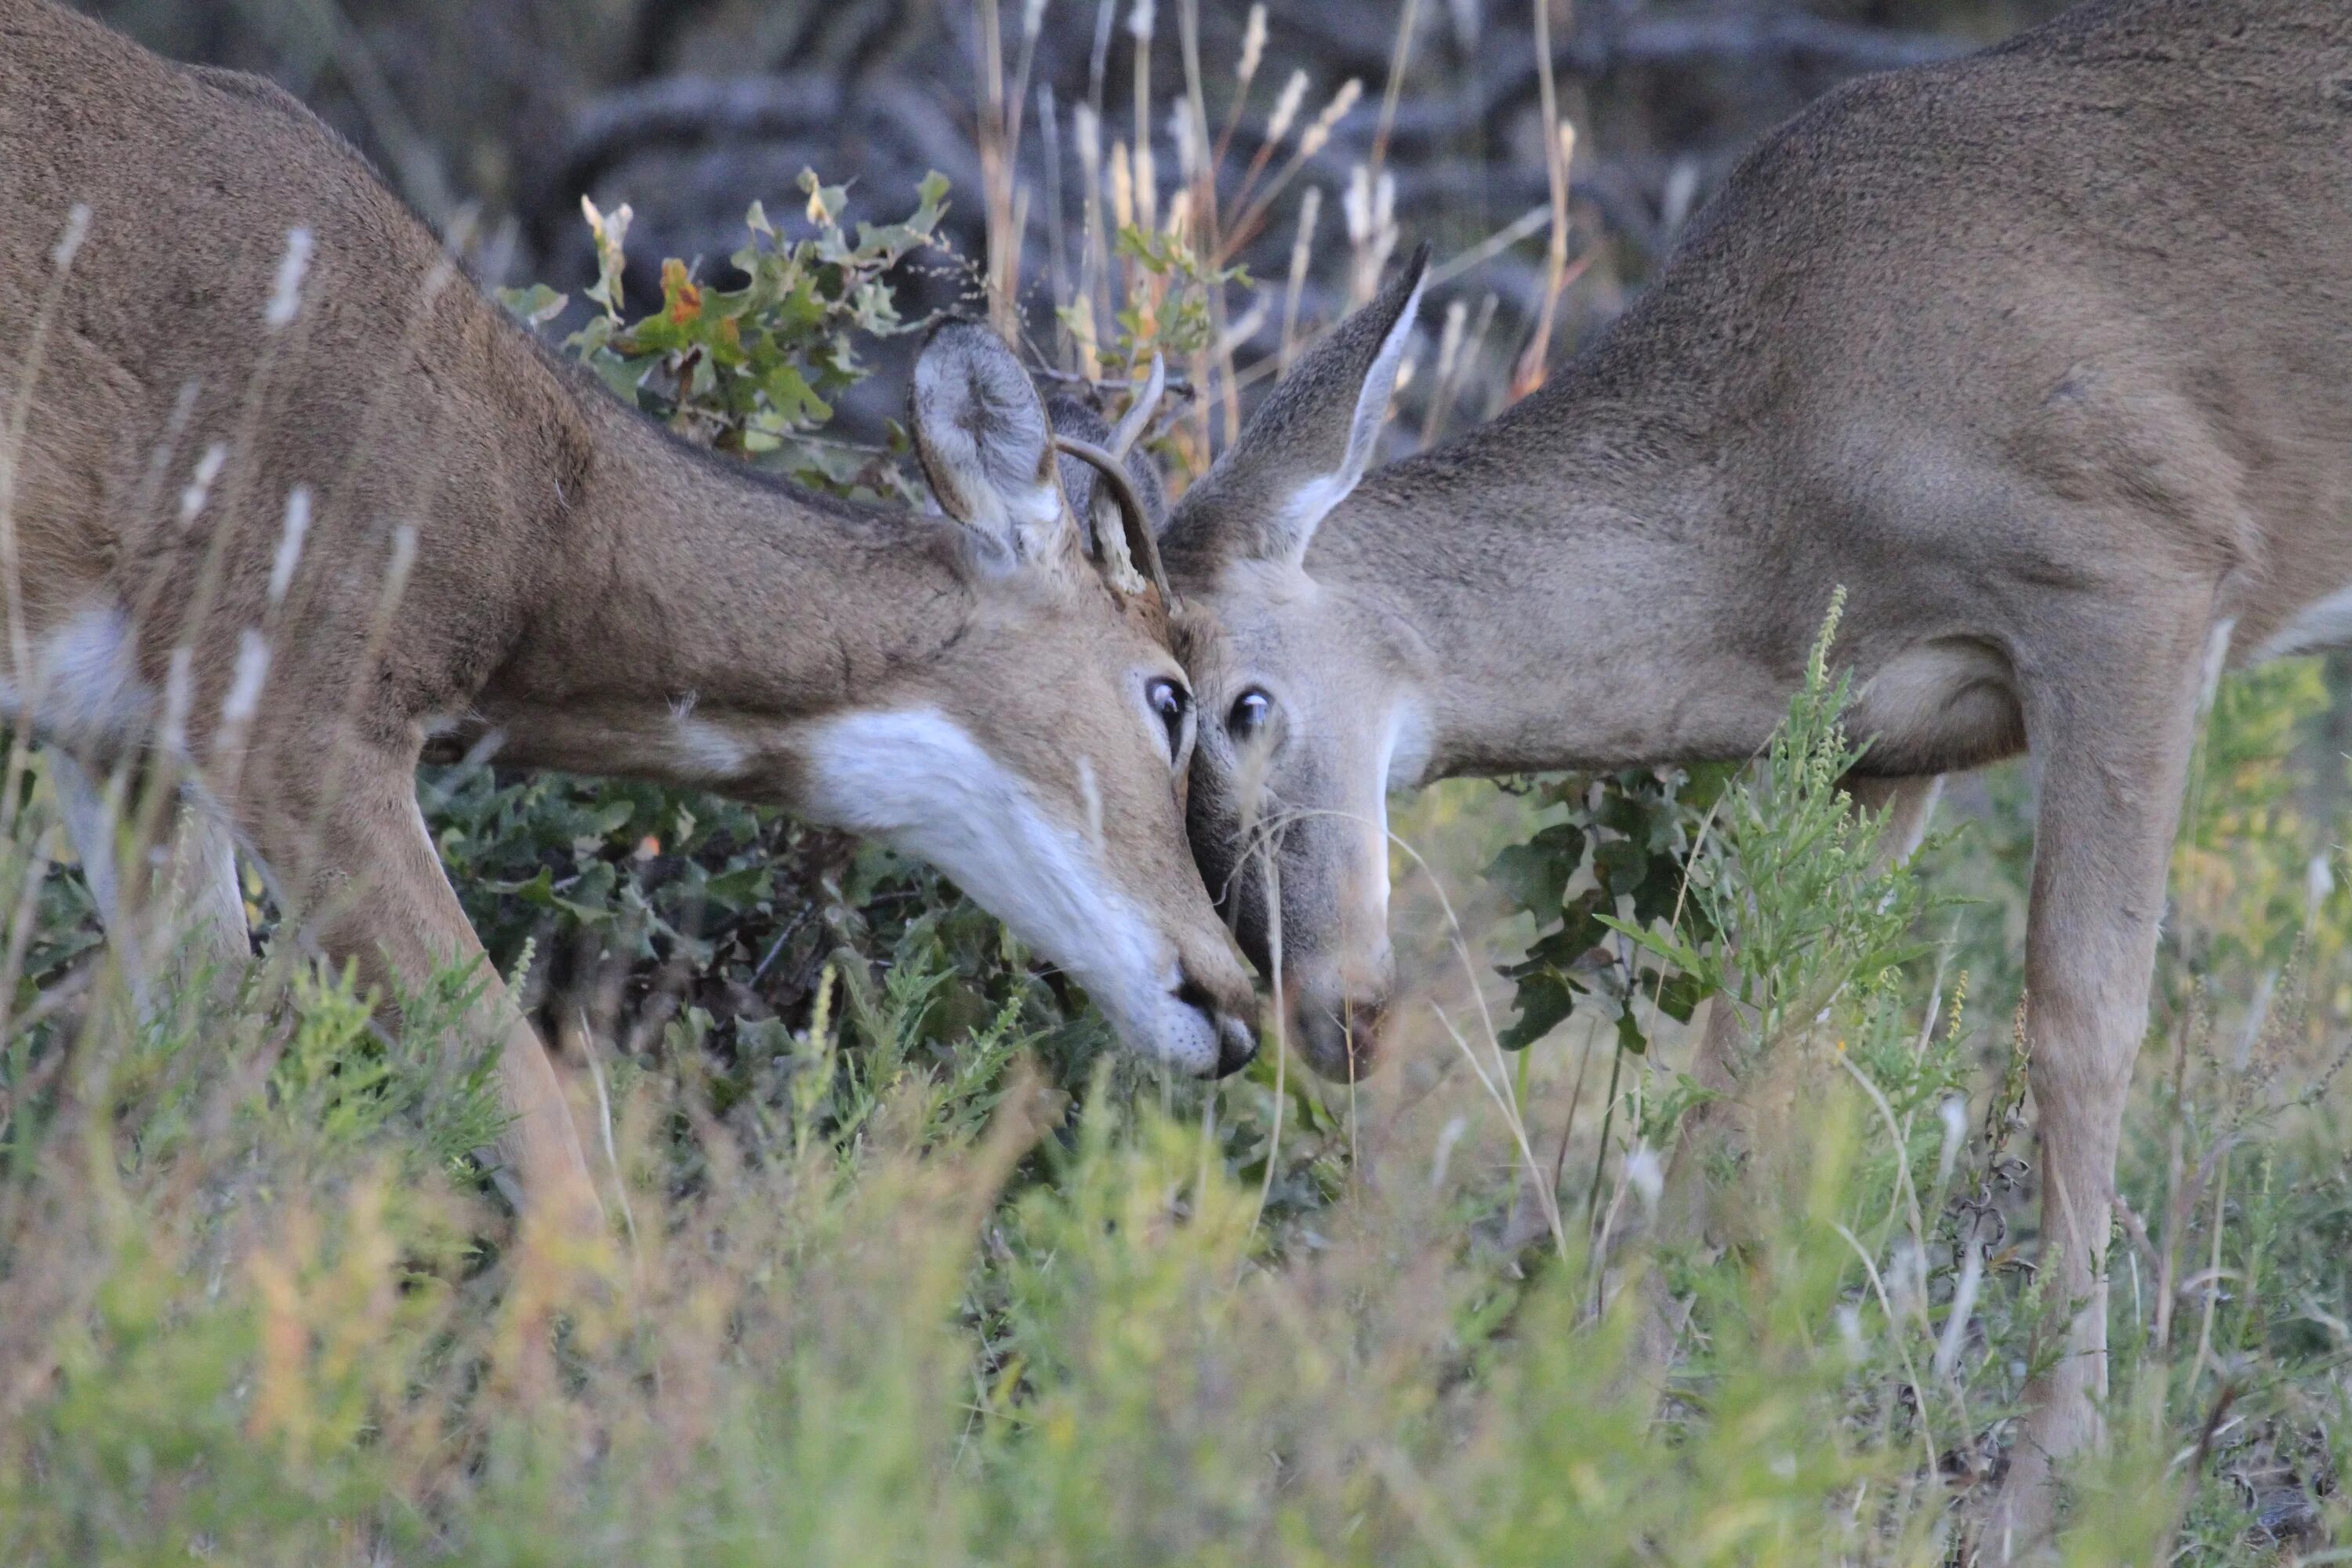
x=913, y=1271
x=922, y=1305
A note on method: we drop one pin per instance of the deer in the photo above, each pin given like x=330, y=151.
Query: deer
x=284, y=498
x=2044, y=355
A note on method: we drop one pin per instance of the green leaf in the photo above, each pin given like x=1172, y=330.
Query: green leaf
x=740, y=886
x=1629, y=1038
x=535, y=306
x=794, y=401
x=1544, y=999
x=1621, y=864
x=1651, y=939
x=1535, y=874
x=1680, y=994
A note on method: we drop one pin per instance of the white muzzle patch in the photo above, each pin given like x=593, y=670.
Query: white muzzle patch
x=916, y=781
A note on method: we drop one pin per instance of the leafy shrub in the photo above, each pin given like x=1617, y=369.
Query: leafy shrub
x=889, y=1310
x=878, y=1294
x=754, y=370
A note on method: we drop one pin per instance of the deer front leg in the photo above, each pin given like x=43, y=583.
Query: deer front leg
x=375, y=894
x=2113, y=729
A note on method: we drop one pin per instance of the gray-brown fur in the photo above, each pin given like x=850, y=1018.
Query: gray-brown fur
x=1305, y=429
x=2045, y=356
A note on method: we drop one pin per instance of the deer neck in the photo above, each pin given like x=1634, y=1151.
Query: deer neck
x=694, y=612
x=1575, y=591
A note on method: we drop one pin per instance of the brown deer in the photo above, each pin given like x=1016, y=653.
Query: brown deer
x=2044, y=354
x=282, y=497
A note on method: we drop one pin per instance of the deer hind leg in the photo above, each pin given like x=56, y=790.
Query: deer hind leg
x=373, y=892
x=2114, y=730
x=186, y=913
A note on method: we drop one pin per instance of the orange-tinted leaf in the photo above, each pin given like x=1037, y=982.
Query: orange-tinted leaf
x=680, y=298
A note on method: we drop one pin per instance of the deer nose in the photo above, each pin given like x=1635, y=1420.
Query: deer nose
x=1236, y=1045
x=1232, y=1022
x=1339, y=1038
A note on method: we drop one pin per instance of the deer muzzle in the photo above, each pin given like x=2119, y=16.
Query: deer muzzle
x=1339, y=1036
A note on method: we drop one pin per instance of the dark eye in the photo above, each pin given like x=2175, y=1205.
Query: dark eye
x=1174, y=706
x=1251, y=710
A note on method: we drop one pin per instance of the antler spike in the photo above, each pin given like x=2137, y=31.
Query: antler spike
x=1138, y=417
x=1142, y=545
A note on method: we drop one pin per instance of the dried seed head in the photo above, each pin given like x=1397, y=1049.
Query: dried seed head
x=200, y=485
x=1302, y=249
x=244, y=698
x=290, y=543
x=1147, y=187
x=179, y=683
x=285, y=298
x=1357, y=205
x=77, y=229
x=1122, y=186
x=1082, y=330
x=1285, y=107
x=1189, y=154
x=1333, y=112
x=1955, y=1113
x=1252, y=46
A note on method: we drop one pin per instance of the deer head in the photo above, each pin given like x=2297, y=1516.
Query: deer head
x=1045, y=772
x=1306, y=689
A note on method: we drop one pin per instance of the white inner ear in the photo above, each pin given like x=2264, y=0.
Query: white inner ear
x=1033, y=513
x=1311, y=502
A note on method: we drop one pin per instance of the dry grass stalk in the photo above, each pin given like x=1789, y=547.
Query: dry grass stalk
x=996, y=174
x=1302, y=256
x=1559, y=142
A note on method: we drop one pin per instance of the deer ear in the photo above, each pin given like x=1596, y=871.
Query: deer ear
x=1309, y=442
x=986, y=445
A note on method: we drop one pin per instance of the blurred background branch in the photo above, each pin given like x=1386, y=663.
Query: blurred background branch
x=494, y=117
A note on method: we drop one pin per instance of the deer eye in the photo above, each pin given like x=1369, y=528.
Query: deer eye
x=1173, y=704
x=1250, y=712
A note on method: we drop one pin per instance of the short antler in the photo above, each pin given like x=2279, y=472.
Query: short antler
x=1138, y=418
x=1142, y=544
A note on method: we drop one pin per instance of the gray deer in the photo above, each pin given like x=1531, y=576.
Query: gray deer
x=2044, y=354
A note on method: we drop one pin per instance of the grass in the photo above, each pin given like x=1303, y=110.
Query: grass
x=905, y=1267
x=913, y=1299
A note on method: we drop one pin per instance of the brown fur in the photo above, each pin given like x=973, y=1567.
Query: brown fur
x=579, y=580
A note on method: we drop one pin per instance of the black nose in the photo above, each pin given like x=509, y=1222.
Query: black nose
x=1236, y=1045
x=1236, y=1041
